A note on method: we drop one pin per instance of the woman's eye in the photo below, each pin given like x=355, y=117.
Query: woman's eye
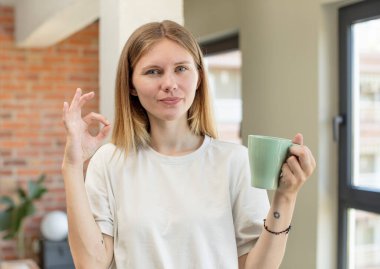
x=181, y=69
x=152, y=72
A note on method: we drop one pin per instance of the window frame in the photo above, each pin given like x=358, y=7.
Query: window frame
x=225, y=43
x=350, y=196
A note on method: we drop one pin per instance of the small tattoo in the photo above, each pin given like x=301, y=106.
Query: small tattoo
x=102, y=242
x=276, y=215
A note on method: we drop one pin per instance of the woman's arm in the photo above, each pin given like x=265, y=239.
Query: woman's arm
x=269, y=250
x=89, y=247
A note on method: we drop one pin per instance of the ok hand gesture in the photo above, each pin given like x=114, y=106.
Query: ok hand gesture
x=80, y=144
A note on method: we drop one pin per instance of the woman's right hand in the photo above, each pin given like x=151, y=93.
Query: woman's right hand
x=80, y=144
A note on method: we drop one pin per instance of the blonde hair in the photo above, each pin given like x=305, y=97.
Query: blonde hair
x=132, y=128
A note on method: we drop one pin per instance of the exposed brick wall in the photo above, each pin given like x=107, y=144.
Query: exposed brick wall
x=33, y=85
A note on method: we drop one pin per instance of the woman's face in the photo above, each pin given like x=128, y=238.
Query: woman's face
x=165, y=80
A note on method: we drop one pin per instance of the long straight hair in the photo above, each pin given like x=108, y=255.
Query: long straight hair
x=132, y=128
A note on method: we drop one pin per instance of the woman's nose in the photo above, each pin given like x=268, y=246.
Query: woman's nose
x=169, y=82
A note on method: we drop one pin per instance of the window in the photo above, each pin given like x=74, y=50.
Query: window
x=223, y=62
x=359, y=136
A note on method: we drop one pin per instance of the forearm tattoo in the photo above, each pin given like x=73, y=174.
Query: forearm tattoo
x=276, y=215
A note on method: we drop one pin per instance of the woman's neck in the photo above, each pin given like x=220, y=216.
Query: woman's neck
x=173, y=138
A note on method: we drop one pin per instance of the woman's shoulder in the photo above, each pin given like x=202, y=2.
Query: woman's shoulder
x=106, y=149
x=106, y=152
x=226, y=147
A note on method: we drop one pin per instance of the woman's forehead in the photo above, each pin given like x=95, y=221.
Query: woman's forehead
x=166, y=50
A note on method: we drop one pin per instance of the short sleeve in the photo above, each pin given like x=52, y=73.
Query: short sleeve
x=250, y=207
x=99, y=192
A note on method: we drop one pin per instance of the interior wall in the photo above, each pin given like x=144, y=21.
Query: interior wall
x=328, y=161
x=279, y=42
x=211, y=18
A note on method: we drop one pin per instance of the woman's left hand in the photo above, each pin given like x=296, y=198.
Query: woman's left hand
x=297, y=168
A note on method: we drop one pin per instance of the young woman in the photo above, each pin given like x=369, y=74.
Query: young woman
x=166, y=193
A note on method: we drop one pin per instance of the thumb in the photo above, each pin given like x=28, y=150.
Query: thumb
x=298, y=139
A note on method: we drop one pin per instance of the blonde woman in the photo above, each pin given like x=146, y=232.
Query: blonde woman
x=166, y=193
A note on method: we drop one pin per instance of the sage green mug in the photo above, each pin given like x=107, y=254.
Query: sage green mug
x=266, y=157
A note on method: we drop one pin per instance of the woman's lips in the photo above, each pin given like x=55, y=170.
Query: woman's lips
x=170, y=100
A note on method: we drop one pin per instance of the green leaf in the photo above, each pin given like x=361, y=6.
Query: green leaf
x=39, y=193
x=30, y=209
x=36, y=189
x=17, y=217
x=7, y=201
x=5, y=220
x=21, y=193
x=41, y=179
x=12, y=217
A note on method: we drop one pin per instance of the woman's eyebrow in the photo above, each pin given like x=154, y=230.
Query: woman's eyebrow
x=158, y=66
x=150, y=66
x=183, y=62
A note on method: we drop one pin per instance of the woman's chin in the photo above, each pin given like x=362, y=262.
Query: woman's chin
x=172, y=117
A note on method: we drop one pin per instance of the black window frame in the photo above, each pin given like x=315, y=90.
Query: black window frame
x=350, y=196
x=225, y=43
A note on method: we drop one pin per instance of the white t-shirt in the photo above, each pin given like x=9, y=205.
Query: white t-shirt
x=194, y=211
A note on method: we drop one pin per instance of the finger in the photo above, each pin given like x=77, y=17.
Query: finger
x=65, y=109
x=75, y=101
x=311, y=157
x=295, y=168
x=298, y=139
x=286, y=173
x=89, y=118
x=85, y=98
x=312, y=160
x=104, y=132
x=305, y=158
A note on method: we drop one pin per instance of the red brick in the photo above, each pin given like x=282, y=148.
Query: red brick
x=29, y=172
x=15, y=162
x=5, y=134
x=4, y=153
x=12, y=144
x=5, y=116
x=5, y=172
x=29, y=153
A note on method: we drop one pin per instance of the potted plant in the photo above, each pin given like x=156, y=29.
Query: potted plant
x=15, y=212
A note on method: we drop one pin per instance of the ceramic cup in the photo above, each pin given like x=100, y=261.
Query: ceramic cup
x=266, y=157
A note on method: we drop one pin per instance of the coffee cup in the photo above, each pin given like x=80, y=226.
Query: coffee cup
x=266, y=156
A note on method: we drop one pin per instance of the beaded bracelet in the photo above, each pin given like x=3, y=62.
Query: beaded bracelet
x=286, y=231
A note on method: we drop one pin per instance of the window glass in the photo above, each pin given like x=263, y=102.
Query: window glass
x=366, y=103
x=364, y=240
x=224, y=81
